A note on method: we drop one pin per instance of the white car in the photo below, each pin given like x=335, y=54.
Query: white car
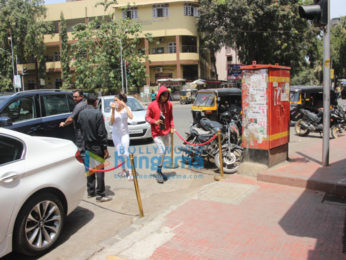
x=138, y=127
x=41, y=181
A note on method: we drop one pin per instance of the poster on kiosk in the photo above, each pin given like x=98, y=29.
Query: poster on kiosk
x=266, y=107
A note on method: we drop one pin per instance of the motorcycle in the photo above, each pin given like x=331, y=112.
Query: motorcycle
x=312, y=122
x=338, y=122
x=200, y=133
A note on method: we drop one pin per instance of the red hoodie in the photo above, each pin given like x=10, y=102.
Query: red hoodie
x=153, y=114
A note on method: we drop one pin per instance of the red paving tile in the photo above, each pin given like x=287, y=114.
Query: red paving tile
x=274, y=222
x=305, y=169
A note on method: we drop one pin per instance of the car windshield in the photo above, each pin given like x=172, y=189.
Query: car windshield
x=205, y=99
x=131, y=102
x=294, y=96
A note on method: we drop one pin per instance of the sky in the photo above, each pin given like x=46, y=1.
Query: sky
x=337, y=7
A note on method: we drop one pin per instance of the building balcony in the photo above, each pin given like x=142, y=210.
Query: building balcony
x=51, y=40
x=53, y=66
x=163, y=57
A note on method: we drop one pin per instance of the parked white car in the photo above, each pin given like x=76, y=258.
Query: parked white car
x=138, y=127
x=41, y=182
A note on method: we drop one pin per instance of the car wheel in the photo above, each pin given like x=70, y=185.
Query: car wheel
x=39, y=224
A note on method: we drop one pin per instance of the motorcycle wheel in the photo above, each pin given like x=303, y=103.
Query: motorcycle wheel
x=299, y=130
x=335, y=131
x=231, y=161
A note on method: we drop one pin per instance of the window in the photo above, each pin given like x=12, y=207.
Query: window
x=20, y=109
x=57, y=56
x=55, y=104
x=160, y=10
x=10, y=149
x=130, y=13
x=229, y=58
x=191, y=10
x=172, y=47
x=158, y=50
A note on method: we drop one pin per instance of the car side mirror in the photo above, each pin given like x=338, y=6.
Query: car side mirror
x=5, y=121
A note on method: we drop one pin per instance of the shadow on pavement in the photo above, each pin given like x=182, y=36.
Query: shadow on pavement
x=309, y=158
x=315, y=215
x=73, y=222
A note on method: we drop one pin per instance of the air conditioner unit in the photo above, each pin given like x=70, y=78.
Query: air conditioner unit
x=159, y=69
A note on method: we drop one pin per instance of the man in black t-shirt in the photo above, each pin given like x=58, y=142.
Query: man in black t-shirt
x=80, y=104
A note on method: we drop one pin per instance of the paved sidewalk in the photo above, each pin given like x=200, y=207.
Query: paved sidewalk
x=241, y=217
x=305, y=169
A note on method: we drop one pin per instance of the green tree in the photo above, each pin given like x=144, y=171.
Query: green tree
x=97, y=50
x=65, y=57
x=22, y=21
x=268, y=31
x=338, y=48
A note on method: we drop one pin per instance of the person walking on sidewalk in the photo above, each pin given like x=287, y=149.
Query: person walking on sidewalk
x=80, y=104
x=120, y=132
x=95, y=140
x=160, y=116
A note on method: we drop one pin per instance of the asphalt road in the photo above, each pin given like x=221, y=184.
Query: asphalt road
x=93, y=222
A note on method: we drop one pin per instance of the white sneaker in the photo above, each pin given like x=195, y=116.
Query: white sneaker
x=103, y=199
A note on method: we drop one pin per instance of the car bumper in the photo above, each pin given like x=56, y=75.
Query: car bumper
x=137, y=132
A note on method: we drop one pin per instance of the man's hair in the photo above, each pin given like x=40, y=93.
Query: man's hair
x=123, y=97
x=91, y=99
x=79, y=92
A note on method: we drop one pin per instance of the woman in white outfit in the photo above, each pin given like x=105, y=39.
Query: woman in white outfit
x=120, y=132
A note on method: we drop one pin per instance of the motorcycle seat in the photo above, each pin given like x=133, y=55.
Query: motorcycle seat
x=210, y=125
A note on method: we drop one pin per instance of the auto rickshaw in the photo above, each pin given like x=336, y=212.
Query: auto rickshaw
x=309, y=97
x=187, y=96
x=211, y=103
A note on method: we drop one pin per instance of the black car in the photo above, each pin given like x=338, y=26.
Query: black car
x=37, y=112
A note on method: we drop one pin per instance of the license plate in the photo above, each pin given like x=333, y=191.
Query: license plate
x=136, y=131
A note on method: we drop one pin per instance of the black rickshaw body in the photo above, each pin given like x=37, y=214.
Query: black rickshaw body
x=211, y=103
x=308, y=97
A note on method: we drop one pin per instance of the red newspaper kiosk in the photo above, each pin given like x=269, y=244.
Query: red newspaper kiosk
x=266, y=112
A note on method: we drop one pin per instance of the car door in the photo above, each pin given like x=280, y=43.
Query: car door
x=56, y=107
x=11, y=164
x=24, y=115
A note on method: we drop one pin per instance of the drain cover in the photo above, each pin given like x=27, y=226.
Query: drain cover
x=225, y=192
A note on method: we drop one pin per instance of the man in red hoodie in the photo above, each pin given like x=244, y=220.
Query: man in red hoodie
x=160, y=116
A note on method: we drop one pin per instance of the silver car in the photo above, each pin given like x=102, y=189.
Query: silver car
x=41, y=181
x=138, y=127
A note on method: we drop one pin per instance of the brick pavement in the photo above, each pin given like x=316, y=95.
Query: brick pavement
x=275, y=222
x=265, y=221
x=305, y=170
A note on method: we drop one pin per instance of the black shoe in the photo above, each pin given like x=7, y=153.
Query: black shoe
x=91, y=195
x=159, y=178
x=159, y=172
x=165, y=178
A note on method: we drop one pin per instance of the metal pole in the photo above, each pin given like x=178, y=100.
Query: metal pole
x=121, y=66
x=326, y=91
x=10, y=38
x=135, y=181
x=126, y=79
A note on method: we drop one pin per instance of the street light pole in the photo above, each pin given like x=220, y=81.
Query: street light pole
x=121, y=66
x=10, y=38
x=326, y=90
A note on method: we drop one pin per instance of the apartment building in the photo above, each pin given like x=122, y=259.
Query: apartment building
x=174, y=52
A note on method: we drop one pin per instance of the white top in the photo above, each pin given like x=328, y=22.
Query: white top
x=120, y=126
